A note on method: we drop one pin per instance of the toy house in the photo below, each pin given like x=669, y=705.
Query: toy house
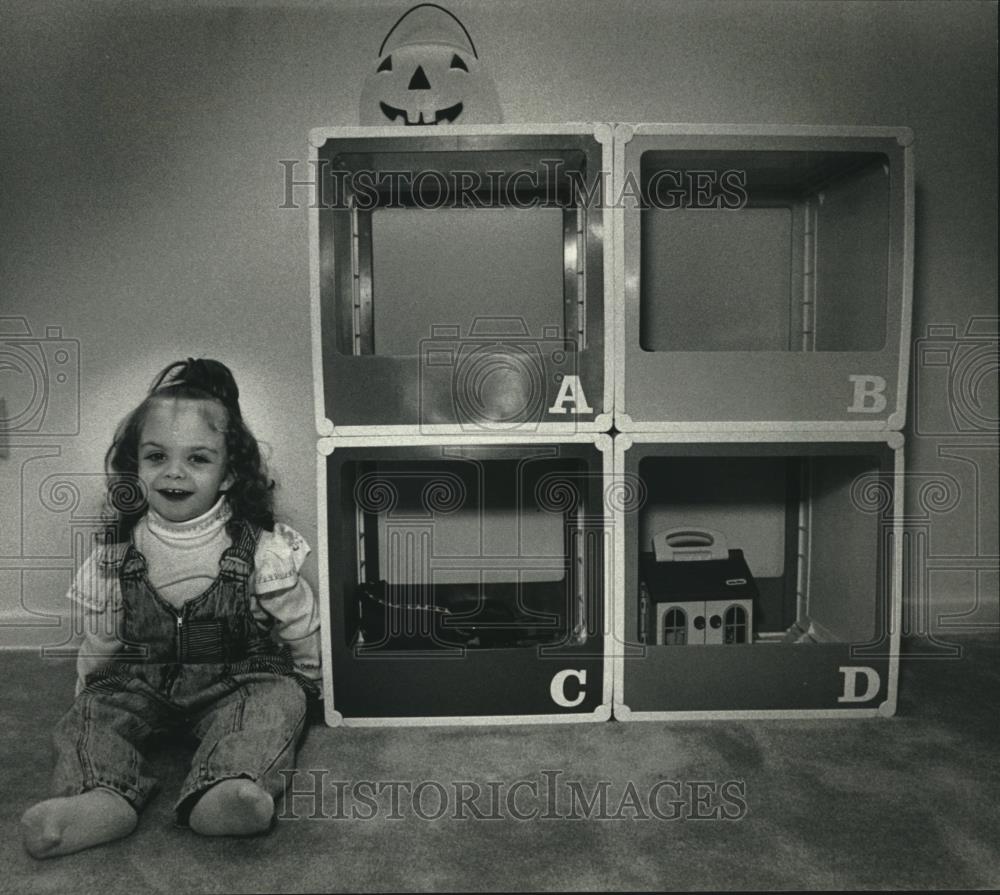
x=694, y=590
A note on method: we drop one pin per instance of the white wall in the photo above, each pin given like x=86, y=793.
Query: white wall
x=140, y=194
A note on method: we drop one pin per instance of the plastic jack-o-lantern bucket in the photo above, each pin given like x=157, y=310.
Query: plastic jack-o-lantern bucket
x=427, y=73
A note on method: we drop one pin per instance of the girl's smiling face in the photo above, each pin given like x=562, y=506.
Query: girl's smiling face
x=182, y=457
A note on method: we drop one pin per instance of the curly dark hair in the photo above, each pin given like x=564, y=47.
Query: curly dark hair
x=251, y=496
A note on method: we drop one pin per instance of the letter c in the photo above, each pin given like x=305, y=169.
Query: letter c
x=557, y=689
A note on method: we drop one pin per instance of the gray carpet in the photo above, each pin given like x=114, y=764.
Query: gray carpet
x=908, y=802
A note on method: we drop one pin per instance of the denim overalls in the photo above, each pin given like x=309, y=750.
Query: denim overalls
x=206, y=668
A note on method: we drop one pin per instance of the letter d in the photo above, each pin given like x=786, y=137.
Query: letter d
x=850, y=673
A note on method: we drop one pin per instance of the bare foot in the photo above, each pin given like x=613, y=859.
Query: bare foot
x=71, y=823
x=236, y=807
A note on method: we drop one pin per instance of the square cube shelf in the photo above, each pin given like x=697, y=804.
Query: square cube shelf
x=464, y=580
x=757, y=575
x=459, y=279
x=764, y=276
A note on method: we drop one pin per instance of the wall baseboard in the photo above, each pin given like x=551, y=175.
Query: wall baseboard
x=23, y=631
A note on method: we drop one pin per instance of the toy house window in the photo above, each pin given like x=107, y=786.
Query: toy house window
x=735, y=625
x=675, y=627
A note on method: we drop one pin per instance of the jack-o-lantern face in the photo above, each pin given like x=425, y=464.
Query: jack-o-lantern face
x=428, y=73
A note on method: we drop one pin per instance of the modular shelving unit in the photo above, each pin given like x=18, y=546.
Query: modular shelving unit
x=764, y=277
x=460, y=322
x=817, y=523
x=609, y=420
x=460, y=278
x=465, y=579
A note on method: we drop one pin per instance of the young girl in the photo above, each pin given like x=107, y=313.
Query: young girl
x=180, y=606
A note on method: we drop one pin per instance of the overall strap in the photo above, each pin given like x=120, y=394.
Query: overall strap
x=123, y=559
x=236, y=563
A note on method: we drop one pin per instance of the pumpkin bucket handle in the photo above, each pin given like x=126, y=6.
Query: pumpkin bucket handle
x=434, y=6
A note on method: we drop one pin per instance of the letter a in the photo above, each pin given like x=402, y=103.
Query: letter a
x=571, y=391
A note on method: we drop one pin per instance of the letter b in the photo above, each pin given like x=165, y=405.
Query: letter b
x=869, y=394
